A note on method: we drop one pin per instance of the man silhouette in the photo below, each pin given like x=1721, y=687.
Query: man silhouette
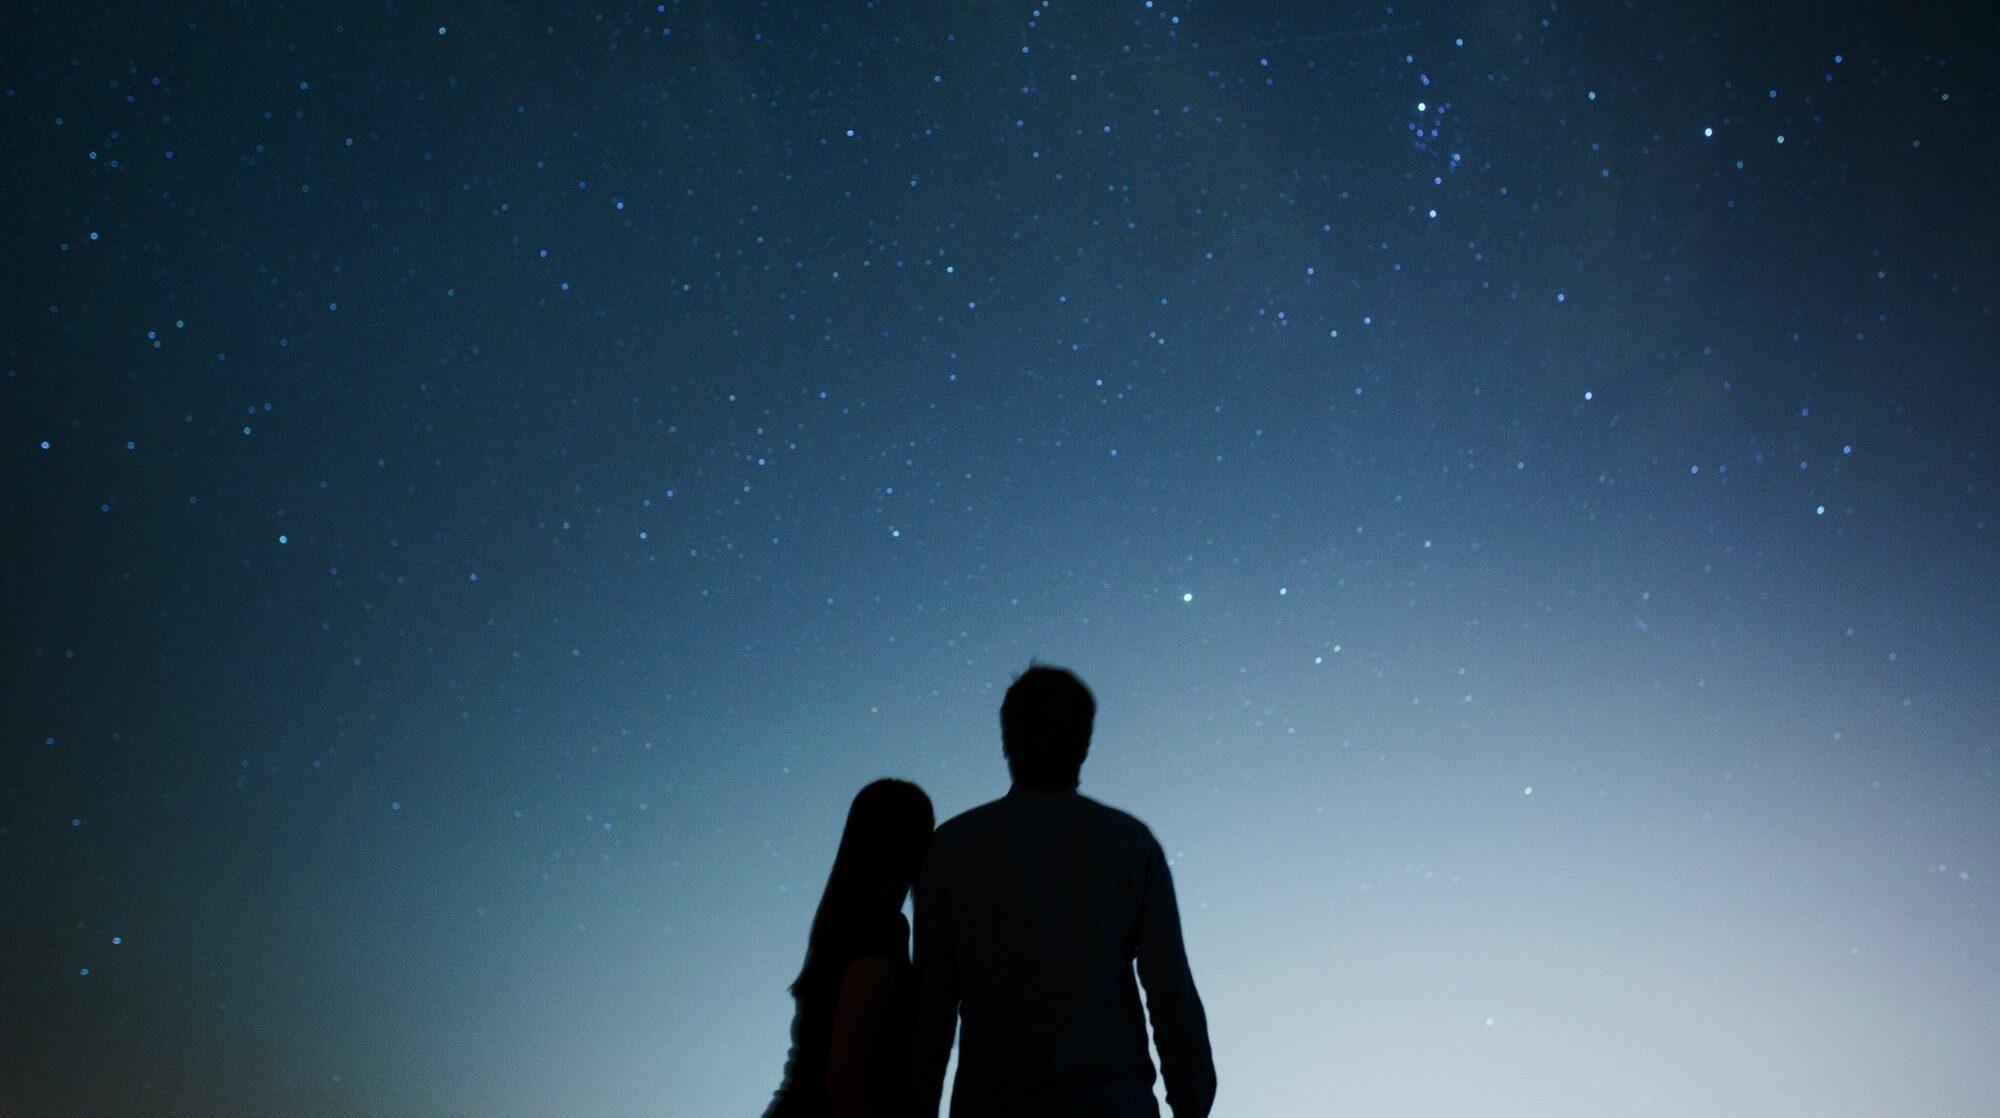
x=1031, y=911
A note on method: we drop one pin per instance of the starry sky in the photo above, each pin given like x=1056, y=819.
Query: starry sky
x=484, y=488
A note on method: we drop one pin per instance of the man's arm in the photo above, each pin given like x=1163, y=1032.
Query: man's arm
x=1180, y=1028
x=936, y=964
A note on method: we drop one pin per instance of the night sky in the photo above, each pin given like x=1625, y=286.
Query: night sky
x=484, y=489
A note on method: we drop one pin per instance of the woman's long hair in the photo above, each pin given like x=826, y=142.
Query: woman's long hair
x=888, y=828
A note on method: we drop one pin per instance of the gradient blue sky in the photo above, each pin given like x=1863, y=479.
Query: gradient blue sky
x=487, y=488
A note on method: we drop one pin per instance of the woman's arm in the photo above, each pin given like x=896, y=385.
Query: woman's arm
x=865, y=991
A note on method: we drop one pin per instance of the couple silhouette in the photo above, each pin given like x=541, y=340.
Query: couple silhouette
x=1031, y=913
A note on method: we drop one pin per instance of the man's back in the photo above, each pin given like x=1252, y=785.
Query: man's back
x=1030, y=913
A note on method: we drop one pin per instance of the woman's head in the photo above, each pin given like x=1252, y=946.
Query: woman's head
x=889, y=826
x=888, y=829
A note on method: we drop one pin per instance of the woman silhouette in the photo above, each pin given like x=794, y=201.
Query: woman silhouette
x=854, y=998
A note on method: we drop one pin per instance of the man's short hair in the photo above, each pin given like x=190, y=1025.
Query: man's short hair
x=1045, y=723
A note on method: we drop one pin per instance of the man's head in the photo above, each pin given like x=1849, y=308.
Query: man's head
x=1045, y=724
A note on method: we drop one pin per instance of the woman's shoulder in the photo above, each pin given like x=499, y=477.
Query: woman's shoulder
x=880, y=939
x=889, y=936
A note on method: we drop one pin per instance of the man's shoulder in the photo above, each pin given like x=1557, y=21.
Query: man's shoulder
x=971, y=816
x=1015, y=810
x=969, y=822
x=1116, y=817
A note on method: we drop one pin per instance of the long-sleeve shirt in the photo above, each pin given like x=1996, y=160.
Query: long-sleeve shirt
x=1031, y=912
